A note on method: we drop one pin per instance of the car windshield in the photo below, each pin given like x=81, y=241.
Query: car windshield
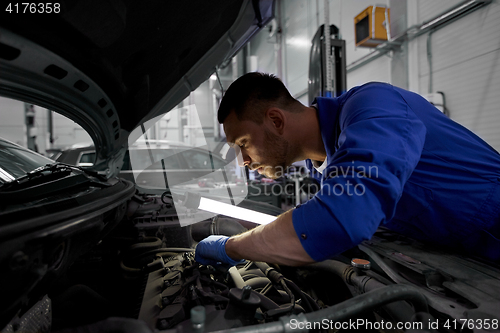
x=16, y=161
x=184, y=160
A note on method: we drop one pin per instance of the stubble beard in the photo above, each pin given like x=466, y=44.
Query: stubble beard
x=275, y=155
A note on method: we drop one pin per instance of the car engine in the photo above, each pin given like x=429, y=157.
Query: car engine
x=142, y=277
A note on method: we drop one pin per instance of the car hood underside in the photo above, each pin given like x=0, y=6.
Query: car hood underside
x=111, y=65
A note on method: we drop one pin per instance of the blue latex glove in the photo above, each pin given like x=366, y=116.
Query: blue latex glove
x=212, y=251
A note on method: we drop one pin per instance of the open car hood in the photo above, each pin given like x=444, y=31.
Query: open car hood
x=110, y=65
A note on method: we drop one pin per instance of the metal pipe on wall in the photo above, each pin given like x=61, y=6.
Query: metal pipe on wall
x=429, y=58
x=328, y=47
x=50, y=127
x=411, y=33
x=280, y=45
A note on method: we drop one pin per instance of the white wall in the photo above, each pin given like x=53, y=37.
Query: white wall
x=12, y=125
x=465, y=58
x=465, y=67
x=13, y=128
x=68, y=133
x=299, y=25
x=377, y=70
x=300, y=21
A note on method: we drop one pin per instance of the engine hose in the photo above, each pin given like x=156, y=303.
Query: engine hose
x=257, y=283
x=128, y=269
x=289, y=292
x=333, y=266
x=350, y=308
x=218, y=226
x=399, y=311
x=262, y=266
x=266, y=303
x=271, y=308
x=146, y=244
x=308, y=301
x=312, y=302
x=277, y=278
x=162, y=250
x=348, y=274
x=371, y=300
x=134, y=270
x=166, y=254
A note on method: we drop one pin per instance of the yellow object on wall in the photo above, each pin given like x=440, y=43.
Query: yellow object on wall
x=371, y=26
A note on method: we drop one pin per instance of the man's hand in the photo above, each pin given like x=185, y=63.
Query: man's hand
x=212, y=251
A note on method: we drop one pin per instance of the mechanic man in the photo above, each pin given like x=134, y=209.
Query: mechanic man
x=387, y=157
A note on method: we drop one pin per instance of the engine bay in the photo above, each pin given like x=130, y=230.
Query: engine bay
x=142, y=277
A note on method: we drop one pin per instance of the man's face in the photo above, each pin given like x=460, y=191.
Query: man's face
x=261, y=148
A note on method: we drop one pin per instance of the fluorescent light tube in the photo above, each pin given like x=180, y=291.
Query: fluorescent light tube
x=217, y=207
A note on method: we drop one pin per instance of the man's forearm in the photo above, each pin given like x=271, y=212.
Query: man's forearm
x=275, y=242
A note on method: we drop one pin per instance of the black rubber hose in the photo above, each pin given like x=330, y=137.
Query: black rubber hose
x=371, y=300
x=201, y=230
x=345, y=310
x=289, y=292
x=272, y=274
x=147, y=243
x=220, y=226
x=277, y=278
x=162, y=250
x=308, y=301
x=348, y=275
x=258, y=282
x=333, y=266
x=133, y=270
x=399, y=311
x=262, y=266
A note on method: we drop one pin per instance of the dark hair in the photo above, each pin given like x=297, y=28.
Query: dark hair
x=252, y=94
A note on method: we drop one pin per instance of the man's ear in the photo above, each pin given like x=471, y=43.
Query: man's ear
x=277, y=118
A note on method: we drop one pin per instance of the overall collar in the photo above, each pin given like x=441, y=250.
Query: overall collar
x=328, y=114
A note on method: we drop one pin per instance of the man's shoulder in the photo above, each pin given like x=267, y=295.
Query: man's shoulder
x=375, y=87
x=374, y=94
x=369, y=87
x=373, y=100
x=369, y=96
